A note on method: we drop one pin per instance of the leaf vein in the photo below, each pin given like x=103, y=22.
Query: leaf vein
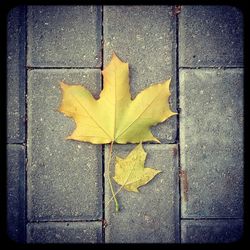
x=91, y=116
x=138, y=116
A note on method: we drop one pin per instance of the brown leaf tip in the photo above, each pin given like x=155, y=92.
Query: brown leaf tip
x=114, y=55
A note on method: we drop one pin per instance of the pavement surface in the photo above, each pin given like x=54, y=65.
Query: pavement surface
x=57, y=191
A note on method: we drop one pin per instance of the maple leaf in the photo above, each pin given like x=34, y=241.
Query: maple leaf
x=130, y=172
x=115, y=117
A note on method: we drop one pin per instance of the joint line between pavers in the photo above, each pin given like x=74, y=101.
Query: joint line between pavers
x=178, y=123
x=210, y=218
x=16, y=143
x=26, y=120
x=103, y=146
x=63, y=221
x=212, y=67
x=62, y=67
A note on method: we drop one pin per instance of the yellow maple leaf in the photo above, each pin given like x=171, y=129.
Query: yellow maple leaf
x=115, y=117
x=130, y=172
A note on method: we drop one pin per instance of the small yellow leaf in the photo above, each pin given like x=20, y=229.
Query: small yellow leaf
x=115, y=117
x=131, y=173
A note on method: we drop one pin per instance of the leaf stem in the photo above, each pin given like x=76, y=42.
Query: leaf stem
x=118, y=191
x=121, y=187
x=109, y=179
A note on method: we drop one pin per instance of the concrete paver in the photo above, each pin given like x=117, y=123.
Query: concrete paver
x=64, y=36
x=211, y=141
x=210, y=36
x=64, y=232
x=144, y=36
x=15, y=76
x=211, y=231
x=150, y=216
x=16, y=192
x=64, y=176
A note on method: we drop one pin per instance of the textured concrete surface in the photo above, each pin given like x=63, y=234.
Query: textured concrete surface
x=144, y=36
x=211, y=141
x=64, y=176
x=152, y=215
x=210, y=36
x=16, y=192
x=211, y=231
x=62, y=232
x=15, y=76
x=65, y=190
x=64, y=36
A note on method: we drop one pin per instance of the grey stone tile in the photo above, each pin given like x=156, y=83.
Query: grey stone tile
x=211, y=142
x=64, y=176
x=150, y=216
x=144, y=37
x=64, y=36
x=211, y=231
x=16, y=75
x=210, y=36
x=62, y=232
x=16, y=192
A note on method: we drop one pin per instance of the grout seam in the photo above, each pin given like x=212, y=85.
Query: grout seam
x=210, y=218
x=178, y=125
x=212, y=67
x=62, y=67
x=25, y=124
x=103, y=146
x=63, y=221
x=26, y=116
x=16, y=143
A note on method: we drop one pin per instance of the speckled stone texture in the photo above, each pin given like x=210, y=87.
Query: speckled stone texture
x=211, y=141
x=16, y=76
x=210, y=36
x=211, y=231
x=16, y=192
x=150, y=216
x=64, y=176
x=144, y=37
x=62, y=232
x=64, y=36
x=64, y=179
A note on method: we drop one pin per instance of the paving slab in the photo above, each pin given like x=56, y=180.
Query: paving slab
x=144, y=36
x=64, y=176
x=210, y=36
x=16, y=75
x=211, y=142
x=16, y=192
x=211, y=231
x=63, y=232
x=150, y=216
x=64, y=36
